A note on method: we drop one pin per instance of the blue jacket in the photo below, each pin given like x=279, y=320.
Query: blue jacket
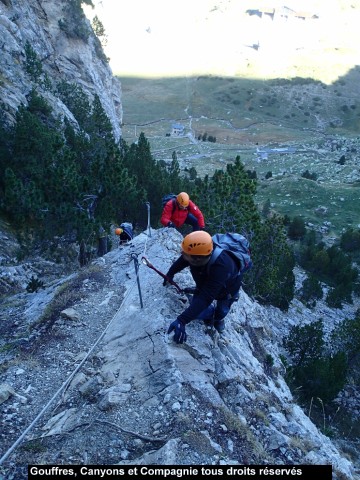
x=214, y=283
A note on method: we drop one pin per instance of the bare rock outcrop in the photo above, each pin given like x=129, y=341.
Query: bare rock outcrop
x=61, y=56
x=135, y=397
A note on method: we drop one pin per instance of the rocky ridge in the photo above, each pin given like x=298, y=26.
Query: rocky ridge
x=126, y=394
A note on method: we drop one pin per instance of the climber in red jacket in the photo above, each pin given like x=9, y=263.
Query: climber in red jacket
x=180, y=210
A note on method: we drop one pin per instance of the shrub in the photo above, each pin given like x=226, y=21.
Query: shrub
x=311, y=289
x=314, y=372
x=34, y=285
x=33, y=65
x=346, y=338
x=350, y=240
x=309, y=176
x=297, y=229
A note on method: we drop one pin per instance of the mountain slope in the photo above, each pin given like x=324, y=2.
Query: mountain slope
x=133, y=396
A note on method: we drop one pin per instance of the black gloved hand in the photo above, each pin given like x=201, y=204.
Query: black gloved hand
x=171, y=225
x=166, y=280
x=180, y=335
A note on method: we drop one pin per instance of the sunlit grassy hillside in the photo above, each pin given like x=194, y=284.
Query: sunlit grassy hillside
x=319, y=123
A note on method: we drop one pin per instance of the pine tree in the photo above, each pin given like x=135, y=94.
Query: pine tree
x=227, y=199
x=297, y=228
x=35, y=147
x=152, y=177
x=314, y=373
x=311, y=289
x=272, y=280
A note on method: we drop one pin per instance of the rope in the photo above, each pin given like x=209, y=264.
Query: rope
x=71, y=376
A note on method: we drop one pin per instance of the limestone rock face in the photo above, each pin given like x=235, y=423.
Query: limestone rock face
x=75, y=59
x=124, y=393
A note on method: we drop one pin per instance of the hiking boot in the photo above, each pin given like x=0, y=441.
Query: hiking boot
x=219, y=325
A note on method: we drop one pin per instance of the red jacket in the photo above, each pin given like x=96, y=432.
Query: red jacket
x=178, y=216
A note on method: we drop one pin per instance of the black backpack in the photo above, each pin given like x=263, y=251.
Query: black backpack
x=128, y=230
